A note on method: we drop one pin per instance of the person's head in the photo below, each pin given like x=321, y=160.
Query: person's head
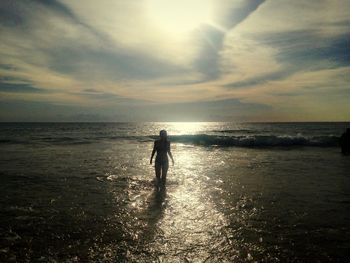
x=163, y=134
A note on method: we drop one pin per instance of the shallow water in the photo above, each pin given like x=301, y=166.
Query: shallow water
x=83, y=198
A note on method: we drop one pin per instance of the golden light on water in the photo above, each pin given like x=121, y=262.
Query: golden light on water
x=177, y=128
x=189, y=220
x=181, y=220
x=187, y=127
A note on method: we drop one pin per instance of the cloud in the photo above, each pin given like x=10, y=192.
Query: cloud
x=299, y=52
x=24, y=88
x=291, y=62
x=308, y=48
x=111, y=55
x=232, y=13
x=254, y=81
x=122, y=64
x=225, y=110
x=211, y=37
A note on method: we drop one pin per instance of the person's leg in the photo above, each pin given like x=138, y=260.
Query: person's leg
x=157, y=167
x=165, y=167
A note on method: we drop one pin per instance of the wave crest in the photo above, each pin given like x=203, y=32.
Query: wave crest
x=256, y=140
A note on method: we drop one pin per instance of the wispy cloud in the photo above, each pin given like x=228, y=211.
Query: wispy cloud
x=285, y=57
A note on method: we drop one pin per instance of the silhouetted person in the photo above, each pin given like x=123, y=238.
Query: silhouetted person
x=345, y=142
x=162, y=147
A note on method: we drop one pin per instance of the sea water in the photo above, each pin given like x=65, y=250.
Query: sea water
x=273, y=192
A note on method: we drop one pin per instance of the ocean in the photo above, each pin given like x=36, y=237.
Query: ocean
x=238, y=192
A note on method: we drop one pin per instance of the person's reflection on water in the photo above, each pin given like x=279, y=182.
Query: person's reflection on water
x=345, y=142
x=162, y=147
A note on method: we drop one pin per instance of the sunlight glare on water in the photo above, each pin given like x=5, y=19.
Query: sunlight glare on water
x=90, y=194
x=180, y=223
x=190, y=224
x=179, y=128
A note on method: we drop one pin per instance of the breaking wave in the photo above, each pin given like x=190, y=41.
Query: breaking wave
x=247, y=140
x=256, y=140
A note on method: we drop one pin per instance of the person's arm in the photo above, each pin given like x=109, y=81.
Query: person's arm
x=153, y=152
x=170, y=154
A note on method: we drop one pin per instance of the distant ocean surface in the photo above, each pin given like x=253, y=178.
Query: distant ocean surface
x=239, y=192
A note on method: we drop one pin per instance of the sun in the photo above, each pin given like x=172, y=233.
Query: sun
x=179, y=16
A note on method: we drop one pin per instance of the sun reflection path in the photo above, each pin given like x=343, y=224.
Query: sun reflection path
x=189, y=229
x=179, y=128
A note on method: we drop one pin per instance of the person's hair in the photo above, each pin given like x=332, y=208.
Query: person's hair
x=163, y=133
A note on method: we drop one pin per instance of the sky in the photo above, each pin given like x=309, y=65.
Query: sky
x=181, y=60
